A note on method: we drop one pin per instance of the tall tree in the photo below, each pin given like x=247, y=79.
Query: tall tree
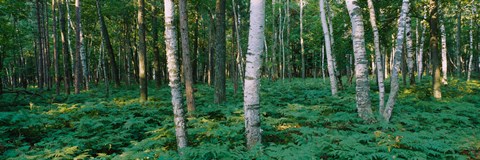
x=361, y=63
x=55, y=44
x=302, y=50
x=79, y=40
x=174, y=74
x=434, y=49
x=444, y=52
x=40, y=44
x=251, y=96
x=394, y=86
x=328, y=46
x=156, y=49
x=458, y=38
x=220, y=53
x=142, y=55
x=187, y=65
x=420, y=50
x=65, y=47
x=378, y=57
x=470, y=67
x=108, y=44
x=409, y=56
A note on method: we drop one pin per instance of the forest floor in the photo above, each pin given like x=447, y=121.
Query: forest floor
x=300, y=120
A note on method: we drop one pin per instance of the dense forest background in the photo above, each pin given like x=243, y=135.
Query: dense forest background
x=233, y=79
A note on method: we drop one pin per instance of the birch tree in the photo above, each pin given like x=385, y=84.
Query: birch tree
x=108, y=44
x=394, y=86
x=251, y=96
x=378, y=57
x=408, y=33
x=444, y=52
x=174, y=74
x=420, y=51
x=361, y=63
x=330, y=60
x=470, y=67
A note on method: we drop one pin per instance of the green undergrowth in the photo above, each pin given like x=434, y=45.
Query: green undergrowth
x=300, y=120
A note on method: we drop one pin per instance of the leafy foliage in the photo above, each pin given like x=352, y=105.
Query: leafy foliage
x=300, y=120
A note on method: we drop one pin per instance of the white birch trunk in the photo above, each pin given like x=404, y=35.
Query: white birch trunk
x=252, y=73
x=361, y=63
x=444, y=52
x=420, y=52
x=330, y=60
x=397, y=60
x=174, y=74
x=470, y=67
x=378, y=57
x=408, y=32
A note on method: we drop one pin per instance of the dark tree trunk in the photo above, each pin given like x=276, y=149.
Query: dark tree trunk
x=220, y=53
x=55, y=44
x=40, y=44
x=434, y=49
x=108, y=44
x=78, y=69
x=187, y=66
x=156, y=50
x=142, y=55
x=65, y=47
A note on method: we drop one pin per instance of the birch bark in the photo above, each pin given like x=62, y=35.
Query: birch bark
x=174, y=74
x=378, y=57
x=387, y=113
x=330, y=60
x=252, y=72
x=361, y=63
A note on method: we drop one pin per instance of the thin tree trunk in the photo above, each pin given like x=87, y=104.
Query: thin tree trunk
x=104, y=68
x=361, y=63
x=444, y=52
x=173, y=71
x=79, y=40
x=40, y=45
x=470, y=67
x=46, y=62
x=323, y=62
x=65, y=48
x=458, y=40
x=211, y=52
x=106, y=39
x=434, y=49
x=142, y=56
x=378, y=57
x=410, y=51
x=156, y=49
x=301, y=39
x=252, y=73
x=397, y=59
x=420, y=50
x=187, y=65
x=220, y=53
x=330, y=60
x=55, y=44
